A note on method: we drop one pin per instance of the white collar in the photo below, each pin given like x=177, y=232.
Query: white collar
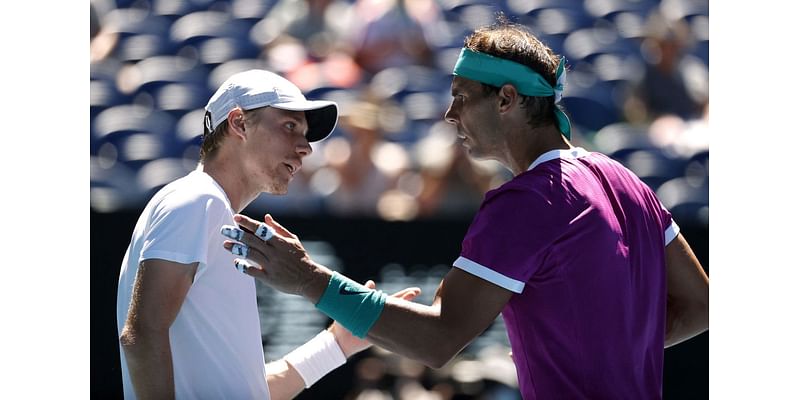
x=572, y=153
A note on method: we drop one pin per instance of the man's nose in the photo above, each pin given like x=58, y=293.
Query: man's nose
x=304, y=148
x=451, y=116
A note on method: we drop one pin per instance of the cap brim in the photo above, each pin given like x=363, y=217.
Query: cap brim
x=321, y=116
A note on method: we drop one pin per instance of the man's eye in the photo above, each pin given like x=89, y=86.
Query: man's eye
x=290, y=126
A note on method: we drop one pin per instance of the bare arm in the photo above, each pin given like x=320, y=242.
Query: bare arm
x=687, y=293
x=285, y=382
x=464, y=305
x=158, y=294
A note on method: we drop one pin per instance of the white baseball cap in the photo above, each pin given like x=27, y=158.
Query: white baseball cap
x=258, y=88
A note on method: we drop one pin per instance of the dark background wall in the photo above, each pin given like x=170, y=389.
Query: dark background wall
x=363, y=245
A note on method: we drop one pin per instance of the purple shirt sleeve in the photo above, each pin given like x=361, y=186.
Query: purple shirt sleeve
x=507, y=240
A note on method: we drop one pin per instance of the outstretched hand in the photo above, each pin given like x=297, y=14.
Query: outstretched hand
x=351, y=344
x=282, y=261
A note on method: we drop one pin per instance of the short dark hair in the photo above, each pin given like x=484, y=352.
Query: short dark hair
x=515, y=42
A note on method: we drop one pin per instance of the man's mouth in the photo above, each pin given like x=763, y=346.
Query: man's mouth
x=291, y=168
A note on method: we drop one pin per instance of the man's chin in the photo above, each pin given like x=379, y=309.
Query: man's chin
x=278, y=188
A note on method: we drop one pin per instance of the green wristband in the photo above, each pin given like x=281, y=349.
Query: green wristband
x=354, y=306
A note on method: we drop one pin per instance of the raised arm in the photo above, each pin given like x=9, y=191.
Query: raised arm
x=687, y=293
x=464, y=305
x=158, y=293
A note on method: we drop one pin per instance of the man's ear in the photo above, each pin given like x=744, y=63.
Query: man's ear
x=236, y=123
x=508, y=97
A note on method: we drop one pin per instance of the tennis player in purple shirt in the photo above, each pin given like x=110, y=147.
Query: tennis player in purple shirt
x=589, y=270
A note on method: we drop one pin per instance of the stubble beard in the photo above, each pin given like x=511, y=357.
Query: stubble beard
x=277, y=184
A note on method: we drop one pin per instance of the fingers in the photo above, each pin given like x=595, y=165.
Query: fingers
x=244, y=243
x=262, y=231
x=278, y=227
x=239, y=249
x=370, y=284
x=244, y=251
x=248, y=268
x=408, y=293
x=246, y=222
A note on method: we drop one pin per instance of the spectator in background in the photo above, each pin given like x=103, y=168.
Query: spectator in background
x=664, y=89
x=386, y=35
x=361, y=182
x=590, y=271
x=305, y=41
x=452, y=183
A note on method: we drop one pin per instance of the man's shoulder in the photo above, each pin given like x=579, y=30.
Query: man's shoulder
x=189, y=192
x=528, y=192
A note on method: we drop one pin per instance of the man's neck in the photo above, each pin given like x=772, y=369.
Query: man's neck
x=527, y=146
x=231, y=180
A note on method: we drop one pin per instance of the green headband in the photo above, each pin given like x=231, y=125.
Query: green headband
x=497, y=71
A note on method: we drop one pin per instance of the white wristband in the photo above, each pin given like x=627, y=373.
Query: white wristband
x=316, y=358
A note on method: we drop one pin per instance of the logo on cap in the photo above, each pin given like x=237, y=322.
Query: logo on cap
x=208, y=122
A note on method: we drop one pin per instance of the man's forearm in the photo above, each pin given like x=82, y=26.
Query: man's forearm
x=684, y=322
x=149, y=361
x=283, y=380
x=409, y=329
x=416, y=331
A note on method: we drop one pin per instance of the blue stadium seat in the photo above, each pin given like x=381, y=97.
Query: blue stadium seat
x=131, y=118
x=618, y=68
x=700, y=50
x=175, y=9
x=222, y=49
x=474, y=15
x=179, y=98
x=652, y=166
x=199, y=26
x=155, y=174
x=400, y=81
x=104, y=94
x=223, y=71
x=697, y=166
x=456, y=5
x=105, y=69
x=609, y=8
x=189, y=128
x=619, y=139
x=118, y=125
x=629, y=25
x=684, y=8
x=590, y=106
x=446, y=59
x=251, y=10
x=686, y=199
x=134, y=21
x=139, y=47
x=587, y=43
x=559, y=20
x=113, y=186
x=158, y=71
x=137, y=149
x=532, y=7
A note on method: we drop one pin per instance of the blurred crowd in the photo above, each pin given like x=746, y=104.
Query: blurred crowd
x=637, y=89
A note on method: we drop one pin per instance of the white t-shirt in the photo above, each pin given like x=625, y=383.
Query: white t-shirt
x=216, y=337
